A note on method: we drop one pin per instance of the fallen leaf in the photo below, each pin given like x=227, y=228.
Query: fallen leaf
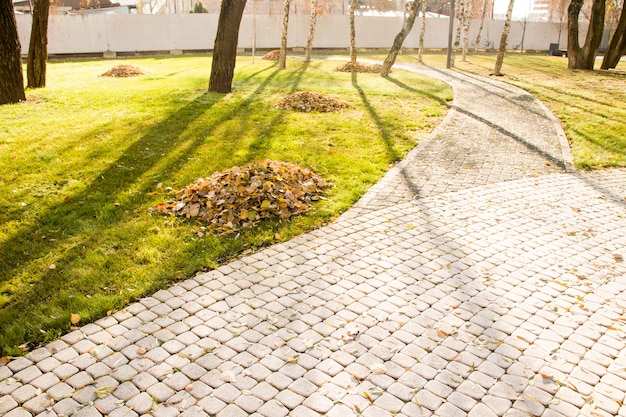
x=104, y=391
x=378, y=368
x=228, y=376
x=74, y=318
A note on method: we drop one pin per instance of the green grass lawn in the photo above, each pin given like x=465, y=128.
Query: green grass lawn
x=590, y=104
x=83, y=161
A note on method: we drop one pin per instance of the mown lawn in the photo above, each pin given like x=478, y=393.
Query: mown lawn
x=84, y=160
x=590, y=104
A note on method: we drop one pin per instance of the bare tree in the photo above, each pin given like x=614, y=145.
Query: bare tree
x=482, y=25
x=584, y=57
x=457, y=38
x=399, y=39
x=503, y=40
x=11, y=76
x=420, y=53
x=617, y=46
x=225, y=49
x=38, y=49
x=282, y=58
x=309, y=41
x=467, y=22
x=352, y=33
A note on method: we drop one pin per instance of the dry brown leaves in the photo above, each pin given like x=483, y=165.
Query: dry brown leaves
x=359, y=67
x=240, y=197
x=124, y=71
x=310, y=101
x=272, y=55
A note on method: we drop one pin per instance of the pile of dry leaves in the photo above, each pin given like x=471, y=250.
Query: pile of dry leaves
x=240, y=197
x=272, y=55
x=359, y=67
x=124, y=71
x=310, y=101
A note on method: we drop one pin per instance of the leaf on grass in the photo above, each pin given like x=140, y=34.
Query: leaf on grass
x=74, y=318
x=311, y=101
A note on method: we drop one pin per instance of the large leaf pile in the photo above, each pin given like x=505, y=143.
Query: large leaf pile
x=240, y=197
x=272, y=55
x=359, y=67
x=124, y=71
x=310, y=101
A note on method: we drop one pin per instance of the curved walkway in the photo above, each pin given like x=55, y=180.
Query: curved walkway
x=480, y=277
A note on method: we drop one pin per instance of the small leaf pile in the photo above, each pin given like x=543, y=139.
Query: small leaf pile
x=272, y=55
x=359, y=67
x=240, y=197
x=310, y=101
x=124, y=71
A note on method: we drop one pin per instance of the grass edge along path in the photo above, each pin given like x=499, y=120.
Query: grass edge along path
x=84, y=160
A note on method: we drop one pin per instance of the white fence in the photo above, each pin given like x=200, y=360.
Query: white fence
x=99, y=33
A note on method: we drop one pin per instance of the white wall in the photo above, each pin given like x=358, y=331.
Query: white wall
x=166, y=32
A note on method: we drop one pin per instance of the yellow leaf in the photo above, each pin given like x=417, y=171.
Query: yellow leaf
x=74, y=318
x=265, y=204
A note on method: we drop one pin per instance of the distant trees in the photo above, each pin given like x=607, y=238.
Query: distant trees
x=199, y=8
x=11, y=76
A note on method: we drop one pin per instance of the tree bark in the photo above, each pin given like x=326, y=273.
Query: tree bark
x=282, y=58
x=399, y=39
x=503, y=40
x=225, y=49
x=482, y=25
x=467, y=22
x=584, y=58
x=38, y=49
x=617, y=46
x=309, y=41
x=457, y=38
x=420, y=53
x=352, y=33
x=11, y=76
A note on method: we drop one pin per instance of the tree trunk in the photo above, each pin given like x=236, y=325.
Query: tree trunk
x=282, y=58
x=482, y=25
x=584, y=58
x=617, y=46
x=420, y=54
x=503, y=40
x=38, y=50
x=467, y=22
x=11, y=76
x=225, y=49
x=399, y=39
x=352, y=33
x=457, y=37
x=309, y=41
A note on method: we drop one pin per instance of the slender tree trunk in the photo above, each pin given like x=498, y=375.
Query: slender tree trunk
x=457, y=37
x=617, y=46
x=467, y=23
x=309, y=41
x=399, y=40
x=11, y=76
x=503, y=40
x=282, y=58
x=352, y=33
x=38, y=49
x=573, y=46
x=482, y=25
x=225, y=49
x=584, y=58
x=420, y=54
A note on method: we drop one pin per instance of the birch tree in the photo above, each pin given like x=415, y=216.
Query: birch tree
x=399, y=39
x=352, y=33
x=482, y=25
x=467, y=22
x=503, y=40
x=282, y=58
x=420, y=53
x=312, y=22
x=457, y=38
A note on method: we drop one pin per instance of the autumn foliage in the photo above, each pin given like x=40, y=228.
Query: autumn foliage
x=240, y=197
x=124, y=71
x=360, y=67
x=311, y=101
x=272, y=55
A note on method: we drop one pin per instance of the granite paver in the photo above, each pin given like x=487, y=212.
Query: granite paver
x=482, y=276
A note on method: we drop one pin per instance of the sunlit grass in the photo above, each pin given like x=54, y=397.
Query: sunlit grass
x=84, y=160
x=590, y=104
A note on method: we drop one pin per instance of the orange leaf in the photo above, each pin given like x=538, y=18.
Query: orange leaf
x=74, y=318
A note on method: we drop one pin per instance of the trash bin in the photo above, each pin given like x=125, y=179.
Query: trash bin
x=554, y=47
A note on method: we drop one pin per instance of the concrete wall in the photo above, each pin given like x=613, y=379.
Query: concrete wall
x=166, y=32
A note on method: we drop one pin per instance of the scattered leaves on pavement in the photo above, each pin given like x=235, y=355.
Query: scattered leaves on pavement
x=124, y=71
x=360, y=67
x=240, y=197
x=310, y=101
